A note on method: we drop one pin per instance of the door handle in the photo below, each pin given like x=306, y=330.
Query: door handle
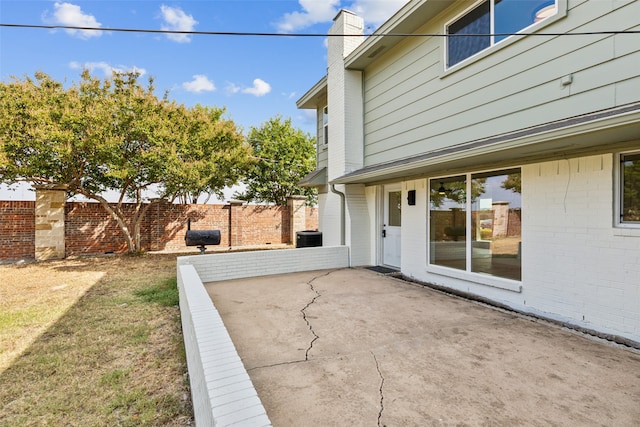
x=384, y=233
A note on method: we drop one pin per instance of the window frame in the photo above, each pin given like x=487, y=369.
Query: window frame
x=618, y=192
x=325, y=125
x=467, y=274
x=561, y=11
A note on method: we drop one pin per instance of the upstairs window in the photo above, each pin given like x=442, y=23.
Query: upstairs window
x=325, y=125
x=490, y=21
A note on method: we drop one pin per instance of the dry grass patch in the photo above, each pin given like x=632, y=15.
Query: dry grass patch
x=92, y=342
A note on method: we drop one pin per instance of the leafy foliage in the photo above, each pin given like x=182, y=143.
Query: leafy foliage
x=455, y=190
x=282, y=157
x=115, y=135
x=513, y=182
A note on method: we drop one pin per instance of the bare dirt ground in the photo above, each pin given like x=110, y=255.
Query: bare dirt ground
x=354, y=348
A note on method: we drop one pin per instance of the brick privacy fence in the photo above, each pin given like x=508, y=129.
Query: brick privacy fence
x=89, y=229
x=17, y=229
x=443, y=219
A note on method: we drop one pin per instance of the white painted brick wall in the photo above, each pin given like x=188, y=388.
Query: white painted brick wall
x=375, y=227
x=414, y=229
x=329, y=218
x=345, y=150
x=222, y=392
x=221, y=389
x=237, y=265
x=357, y=234
x=576, y=266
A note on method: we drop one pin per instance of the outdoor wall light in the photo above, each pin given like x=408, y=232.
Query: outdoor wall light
x=411, y=197
x=442, y=191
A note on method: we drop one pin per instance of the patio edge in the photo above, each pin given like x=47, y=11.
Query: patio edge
x=221, y=390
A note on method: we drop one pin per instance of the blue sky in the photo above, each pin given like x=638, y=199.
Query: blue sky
x=255, y=78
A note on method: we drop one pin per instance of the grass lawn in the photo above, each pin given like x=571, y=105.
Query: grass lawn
x=92, y=342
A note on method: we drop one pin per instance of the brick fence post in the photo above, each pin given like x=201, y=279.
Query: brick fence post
x=297, y=215
x=500, y=223
x=49, y=215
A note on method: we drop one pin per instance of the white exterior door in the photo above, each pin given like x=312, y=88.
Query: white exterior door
x=392, y=221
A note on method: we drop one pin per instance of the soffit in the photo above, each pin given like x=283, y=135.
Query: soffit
x=315, y=178
x=406, y=21
x=315, y=96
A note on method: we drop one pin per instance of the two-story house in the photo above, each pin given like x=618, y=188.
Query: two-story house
x=490, y=147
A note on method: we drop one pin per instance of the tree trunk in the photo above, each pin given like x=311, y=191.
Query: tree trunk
x=132, y=240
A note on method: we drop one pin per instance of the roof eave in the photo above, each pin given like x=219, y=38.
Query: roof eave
x=406, y=21
x=312, y=99
x=316, y=178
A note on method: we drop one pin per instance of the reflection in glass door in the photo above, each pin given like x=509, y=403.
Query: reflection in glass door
x=447, y=222
x=475, y=223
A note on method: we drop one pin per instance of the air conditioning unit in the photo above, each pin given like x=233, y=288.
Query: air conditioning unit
x=308, y=239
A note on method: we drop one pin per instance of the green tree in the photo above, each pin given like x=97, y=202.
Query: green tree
x=117, y=135
x=282, y=157
x=456, y=190
x=212, y=147
x=513, y=182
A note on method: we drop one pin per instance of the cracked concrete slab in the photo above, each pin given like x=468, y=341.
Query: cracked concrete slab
x=353, y=347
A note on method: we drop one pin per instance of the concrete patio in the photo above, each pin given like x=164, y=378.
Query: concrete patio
x=351, y=347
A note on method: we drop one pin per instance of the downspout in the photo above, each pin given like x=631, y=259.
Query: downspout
x=342, y=205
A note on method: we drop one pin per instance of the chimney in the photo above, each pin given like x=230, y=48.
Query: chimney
x=345, y=96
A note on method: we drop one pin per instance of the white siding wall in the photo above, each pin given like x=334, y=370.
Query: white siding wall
x=576, y=267
x=413, y=106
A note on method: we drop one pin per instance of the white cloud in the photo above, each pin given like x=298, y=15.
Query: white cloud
x=374, y=12
x=259, y=88
x=71, y=15
x=200, y=83
x=313, y=12
x=176, y=20
x=232, y=88
x=106, y=68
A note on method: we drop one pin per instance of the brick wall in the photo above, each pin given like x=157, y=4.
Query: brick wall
x=444, y=219
x=168, y=223
x=17, y=229
x=89, y=229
